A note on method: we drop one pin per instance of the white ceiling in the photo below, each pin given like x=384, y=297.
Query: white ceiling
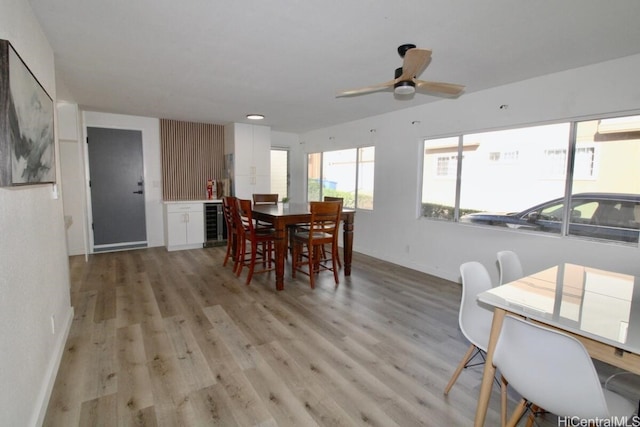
x=215, y=61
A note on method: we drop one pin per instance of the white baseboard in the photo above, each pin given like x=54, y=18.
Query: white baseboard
x=42, y=402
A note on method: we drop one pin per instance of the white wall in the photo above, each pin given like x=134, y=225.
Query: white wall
x=150, y=128
x=395, y=232
x=34, y=269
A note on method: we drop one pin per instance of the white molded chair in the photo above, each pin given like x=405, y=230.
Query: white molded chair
x=510, y=267
x=554, y=371
x=475, y=320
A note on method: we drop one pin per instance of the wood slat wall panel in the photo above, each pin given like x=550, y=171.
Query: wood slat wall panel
x=191, y=154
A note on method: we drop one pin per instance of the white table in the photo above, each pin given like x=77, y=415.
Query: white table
x=600, y=308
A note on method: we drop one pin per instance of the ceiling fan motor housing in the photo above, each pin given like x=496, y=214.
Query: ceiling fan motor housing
x=405, y=87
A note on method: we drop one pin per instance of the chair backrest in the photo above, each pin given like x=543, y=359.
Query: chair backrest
x=475, y=320
x=334, y=199
x=228, y=206
x=510, y=267
x=244, y=218
x=550, y=369
x=325, y=219
x=265, y=199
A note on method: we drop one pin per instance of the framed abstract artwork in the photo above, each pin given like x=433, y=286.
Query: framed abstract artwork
x=26, y=124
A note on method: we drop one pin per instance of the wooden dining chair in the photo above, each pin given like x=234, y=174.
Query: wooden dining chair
x=308, y=243
x=228, y=208
x=260, y=242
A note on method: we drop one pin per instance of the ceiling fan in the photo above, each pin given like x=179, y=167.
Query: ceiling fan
x=405, y=82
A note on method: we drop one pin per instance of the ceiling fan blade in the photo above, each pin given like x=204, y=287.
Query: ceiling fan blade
x=415, y=60
x=439, y=87
x=368, y=89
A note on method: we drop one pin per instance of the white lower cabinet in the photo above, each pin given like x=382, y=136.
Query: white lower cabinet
x=184, y=225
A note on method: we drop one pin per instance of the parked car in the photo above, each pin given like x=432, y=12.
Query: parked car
x=608, y=216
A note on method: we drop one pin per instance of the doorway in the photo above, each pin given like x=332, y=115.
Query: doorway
x=116, y=181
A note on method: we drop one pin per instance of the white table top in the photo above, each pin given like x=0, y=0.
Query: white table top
x=597, y=304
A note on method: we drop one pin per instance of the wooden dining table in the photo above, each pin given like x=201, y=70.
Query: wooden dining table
x=282, y=215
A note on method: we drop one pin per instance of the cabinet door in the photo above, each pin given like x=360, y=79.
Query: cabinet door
x=195, y=227
x=176, y=234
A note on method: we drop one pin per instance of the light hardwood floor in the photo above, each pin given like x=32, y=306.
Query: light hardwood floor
x=175, y=339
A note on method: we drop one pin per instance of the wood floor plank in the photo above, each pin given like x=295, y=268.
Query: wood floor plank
x=99, y=412
x=212, y=406
x=101, y=362
x=191, y=361
x=170, y=392
x=314, y=397
x=245, y=404
x=68, y=390
x=282, y=403
x=134, y=382
x=135, y=301
x=240, y=347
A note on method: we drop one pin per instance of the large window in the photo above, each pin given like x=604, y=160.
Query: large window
x=519, y=178
x=343, y=173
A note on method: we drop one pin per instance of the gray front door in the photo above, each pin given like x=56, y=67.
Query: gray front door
x=117, y=188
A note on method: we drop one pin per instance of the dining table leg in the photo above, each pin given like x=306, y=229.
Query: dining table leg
x=489, y=372
x=347, y=241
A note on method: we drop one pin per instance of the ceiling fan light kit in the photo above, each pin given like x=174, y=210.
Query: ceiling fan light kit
x=415, y=60
x=404, y=88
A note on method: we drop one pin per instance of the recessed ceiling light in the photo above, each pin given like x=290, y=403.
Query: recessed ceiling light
x=255, y=116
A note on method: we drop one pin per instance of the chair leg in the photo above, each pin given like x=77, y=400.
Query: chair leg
x=312, y=266
x=334, y=262
x=228, y=254
x=241, y=251
x=531, y=419
x=336, y=252
x=517, y=414
x=503, y=401
x=252, y=263
x=535, y=409
x=294, y=258
x=460, y=367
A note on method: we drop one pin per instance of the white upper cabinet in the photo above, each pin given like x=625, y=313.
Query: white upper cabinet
x=251, y=149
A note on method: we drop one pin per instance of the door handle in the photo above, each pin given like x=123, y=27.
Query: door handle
x=138, y=192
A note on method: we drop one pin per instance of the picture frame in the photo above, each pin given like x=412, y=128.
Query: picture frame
x=27, y=142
